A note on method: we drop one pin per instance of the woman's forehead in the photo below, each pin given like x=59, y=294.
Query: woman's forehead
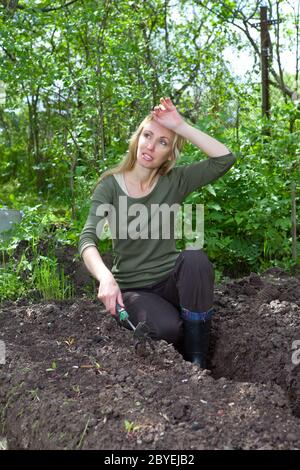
x=156, y=128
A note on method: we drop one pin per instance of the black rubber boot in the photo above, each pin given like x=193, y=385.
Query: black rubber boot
x=196, y=341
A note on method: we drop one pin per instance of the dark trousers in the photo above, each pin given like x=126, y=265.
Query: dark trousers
x=190, y=285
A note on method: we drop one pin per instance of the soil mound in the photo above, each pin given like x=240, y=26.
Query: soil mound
x=72, y=379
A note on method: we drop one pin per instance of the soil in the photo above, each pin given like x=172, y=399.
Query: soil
x=73, y=380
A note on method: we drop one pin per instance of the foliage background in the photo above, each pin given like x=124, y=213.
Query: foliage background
x=80, y=75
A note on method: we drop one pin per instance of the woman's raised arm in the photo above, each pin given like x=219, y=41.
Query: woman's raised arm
x=167, y=115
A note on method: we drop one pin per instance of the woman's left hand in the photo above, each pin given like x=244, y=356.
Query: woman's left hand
x=167, y=115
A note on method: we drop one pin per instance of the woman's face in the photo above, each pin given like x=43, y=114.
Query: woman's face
x=155, y=145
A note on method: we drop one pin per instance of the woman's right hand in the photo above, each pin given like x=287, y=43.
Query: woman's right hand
x=110, y=294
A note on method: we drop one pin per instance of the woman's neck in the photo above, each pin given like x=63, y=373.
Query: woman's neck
x=142, y=180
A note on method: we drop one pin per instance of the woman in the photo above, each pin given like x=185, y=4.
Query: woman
x=171, y=291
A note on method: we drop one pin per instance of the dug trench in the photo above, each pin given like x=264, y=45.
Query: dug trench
x=72, y=379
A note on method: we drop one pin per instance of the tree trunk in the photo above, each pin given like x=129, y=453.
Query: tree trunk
x=34, y=141
x=294, y=222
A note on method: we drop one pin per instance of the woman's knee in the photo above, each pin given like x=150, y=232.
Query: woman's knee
x=161, y=317
x=197, y=259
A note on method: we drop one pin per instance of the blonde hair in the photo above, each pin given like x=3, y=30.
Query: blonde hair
x=129, y=160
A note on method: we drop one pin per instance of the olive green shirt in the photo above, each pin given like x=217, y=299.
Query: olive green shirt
x=145, y=249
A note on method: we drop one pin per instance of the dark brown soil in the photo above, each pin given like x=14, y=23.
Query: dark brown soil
x=72, y=379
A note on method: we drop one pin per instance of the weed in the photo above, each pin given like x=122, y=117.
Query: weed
x=49, y=281
x=83, y=434
x=41, y=275
x=11, y=285
x=34, y=394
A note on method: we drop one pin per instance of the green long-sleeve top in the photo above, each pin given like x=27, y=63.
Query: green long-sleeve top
x=144, y=242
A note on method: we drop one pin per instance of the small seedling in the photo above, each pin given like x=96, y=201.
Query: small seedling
x=130, y=427
x=52, y=368
x=76, y=389
x=34, y=394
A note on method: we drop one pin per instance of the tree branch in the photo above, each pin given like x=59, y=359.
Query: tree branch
x=46, y=9
x=9, y=55
x=12, y=5
x=239, y=15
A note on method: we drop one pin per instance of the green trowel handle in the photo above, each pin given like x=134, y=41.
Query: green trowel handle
x=123, y=315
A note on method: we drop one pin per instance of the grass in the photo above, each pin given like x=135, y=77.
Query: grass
x=41, y=276
x=11, y=285
x=51, y=282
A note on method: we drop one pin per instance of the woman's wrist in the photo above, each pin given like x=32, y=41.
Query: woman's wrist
x=105, y=275
x=182, y=129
